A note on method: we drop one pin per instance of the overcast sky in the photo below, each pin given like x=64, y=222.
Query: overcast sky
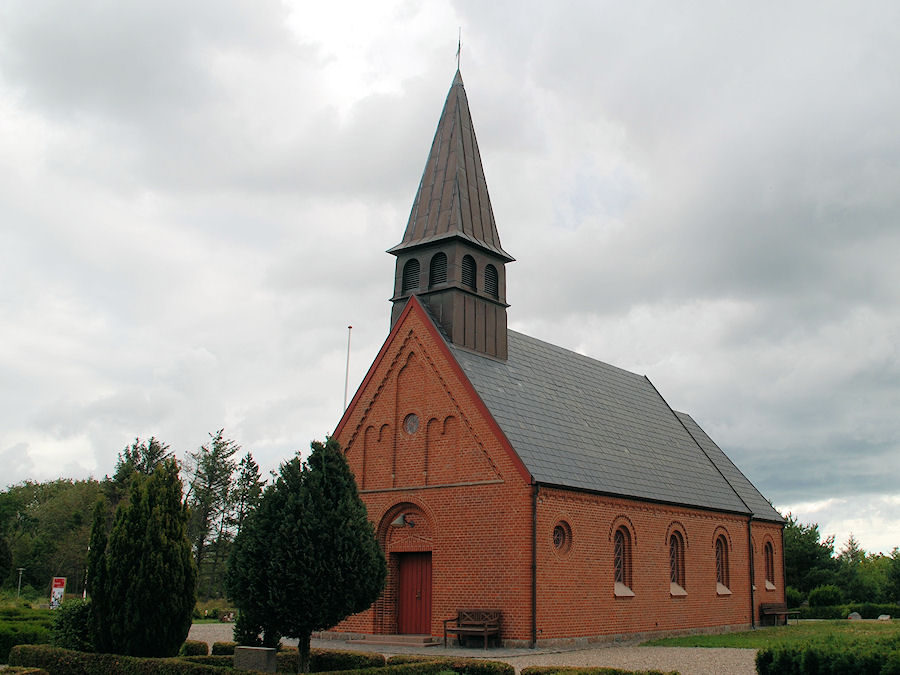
x=195, y=201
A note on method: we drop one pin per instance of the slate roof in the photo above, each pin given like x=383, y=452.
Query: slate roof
x=581, y=423
x=745, y=489
x=452, y=199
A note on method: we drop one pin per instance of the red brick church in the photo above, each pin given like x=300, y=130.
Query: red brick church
x=507, y=473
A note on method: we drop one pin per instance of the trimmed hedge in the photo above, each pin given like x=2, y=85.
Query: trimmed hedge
x=67, y=662
x=22, y=632
x=867, y=610
x=223, y=648
x=423, y=668
x=566, y=670
x=194, y=648
x=814, y=659
x=462, y=665
x=328, y=660
x=320, y=660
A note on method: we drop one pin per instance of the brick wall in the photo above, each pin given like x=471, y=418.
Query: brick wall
x=452, y=471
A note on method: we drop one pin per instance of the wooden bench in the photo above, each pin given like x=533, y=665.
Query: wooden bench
x=775, y=610
x=468, y=622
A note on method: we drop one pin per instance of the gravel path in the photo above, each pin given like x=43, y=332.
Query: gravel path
x=686, y=660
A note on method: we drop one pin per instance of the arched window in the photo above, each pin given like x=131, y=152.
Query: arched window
x=676, y=563
x=438, y=273
x=622, y=561
x=491, y=282
x=722, y=563
x=410, y=275
x=769, y=555
x=468, y=271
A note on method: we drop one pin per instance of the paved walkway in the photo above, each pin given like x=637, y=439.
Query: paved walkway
x=685, y=660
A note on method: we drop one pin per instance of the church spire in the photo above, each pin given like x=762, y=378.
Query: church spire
x=451, y=255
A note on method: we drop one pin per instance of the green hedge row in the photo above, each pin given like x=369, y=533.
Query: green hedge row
x=22, y=632
x=461, y=665
x=320, y=660
x=867, y=610
x=223, y=648
x=566, y=670
x=828, y=659
x=67, y=662
x=194, y=648
x=25, y=614
x=327, y=660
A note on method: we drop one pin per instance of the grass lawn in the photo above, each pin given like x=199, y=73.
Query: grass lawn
x=842, y=631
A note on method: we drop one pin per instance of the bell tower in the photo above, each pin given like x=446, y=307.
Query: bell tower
x=450, y=256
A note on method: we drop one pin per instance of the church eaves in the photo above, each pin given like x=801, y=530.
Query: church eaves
x=452, y=200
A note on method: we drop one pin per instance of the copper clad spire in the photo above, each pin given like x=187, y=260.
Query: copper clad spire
x=452, y=199
x=450, y=256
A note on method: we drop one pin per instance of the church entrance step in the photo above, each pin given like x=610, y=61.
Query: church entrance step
x=396, y=640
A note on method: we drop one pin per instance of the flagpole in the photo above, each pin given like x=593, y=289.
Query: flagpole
x=347, y=371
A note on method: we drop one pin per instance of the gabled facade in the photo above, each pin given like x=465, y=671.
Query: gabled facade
x=502, y=472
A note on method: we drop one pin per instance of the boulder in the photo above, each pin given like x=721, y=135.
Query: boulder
x=884, y=617
x=854, y=616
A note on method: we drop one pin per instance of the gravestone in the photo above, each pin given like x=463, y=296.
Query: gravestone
x=255, y=658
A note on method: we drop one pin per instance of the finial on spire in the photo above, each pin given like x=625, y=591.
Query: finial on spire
x=458, y=47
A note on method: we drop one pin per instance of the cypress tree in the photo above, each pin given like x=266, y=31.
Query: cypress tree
x=148, y=589
x=95, y=578
x=308, y=555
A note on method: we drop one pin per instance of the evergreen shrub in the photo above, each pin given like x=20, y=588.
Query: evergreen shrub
x=867, y=610
x=194, y=648
x=823, y=596
x=811, y=659
x=460, y=665
x=72, y=626
x=223, y=648
x=69, y=662
x=22, y=632
x=793, y=597
x=327, y=660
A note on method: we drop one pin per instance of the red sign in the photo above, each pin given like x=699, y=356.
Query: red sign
x=59, y=582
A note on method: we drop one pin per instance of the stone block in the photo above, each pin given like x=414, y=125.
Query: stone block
x=255, y=658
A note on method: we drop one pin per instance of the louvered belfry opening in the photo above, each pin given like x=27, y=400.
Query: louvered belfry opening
x=451, y=230
x=438, y=273
x=410, y=275
x=468, y=272
x=491, y=283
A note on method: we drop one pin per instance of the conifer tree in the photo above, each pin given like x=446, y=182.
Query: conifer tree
x=95, y=578
x=143, y=599
x=317, y=560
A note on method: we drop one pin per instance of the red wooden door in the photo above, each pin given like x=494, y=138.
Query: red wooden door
x=414, y=601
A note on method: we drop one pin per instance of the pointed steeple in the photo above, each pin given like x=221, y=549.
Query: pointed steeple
x=452, y=199
x=450, y=256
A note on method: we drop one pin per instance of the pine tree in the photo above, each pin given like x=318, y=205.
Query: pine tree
x=144, y=599
x=210, y=501
x=308, y=555
x=247, y=490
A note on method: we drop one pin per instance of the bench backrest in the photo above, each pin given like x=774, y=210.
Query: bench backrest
x=773, y=607
x=478, y=616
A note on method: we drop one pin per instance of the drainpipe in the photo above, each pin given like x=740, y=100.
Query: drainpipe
x=752, y=573
x=534, y=496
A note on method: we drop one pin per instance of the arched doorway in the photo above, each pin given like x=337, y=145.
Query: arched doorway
x=406, y=536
